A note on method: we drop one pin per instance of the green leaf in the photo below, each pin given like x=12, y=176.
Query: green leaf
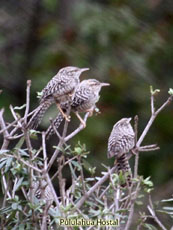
x=59, y=149
x=88, y=167
x=78, y=150
x=19, y=107
x=39, y=94
x=139, y=202
x=14, y=206
x=18, y=184
x=8, y=164
x=21, y=227
x=95, y=212
x=100, y=202
x=4, y=151
x=168, y=208
x=148, y=182
x=77, y=165
x=33, y=134
x=67, y=208
x=20, y=143
x=23, y=153
x=154, y=92
x=72, y=171
x=170, y=91
x=2, y=163
x=167, y=200
x=150, y=227
x=122, y=178
x=90, y=179
x=165, y=212
x=115, y=178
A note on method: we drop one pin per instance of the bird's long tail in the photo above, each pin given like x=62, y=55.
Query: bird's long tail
x=56, y=123
x=39, y=113
x=124, y=167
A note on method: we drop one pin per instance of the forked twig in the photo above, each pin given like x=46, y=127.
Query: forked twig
x=153, y=214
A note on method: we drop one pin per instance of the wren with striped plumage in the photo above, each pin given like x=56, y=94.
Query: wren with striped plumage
x=59, y=89
x=42, y=192
x=121, y=141
x=85, y=97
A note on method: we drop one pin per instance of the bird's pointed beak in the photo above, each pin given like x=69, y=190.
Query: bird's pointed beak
x=105, y=84
x=129, y=119
x=84, y=69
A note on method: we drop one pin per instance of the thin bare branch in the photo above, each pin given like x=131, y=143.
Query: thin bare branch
x=131, y=212
x=16, y=122
x=55, y=154
x=61, y=180
x=17, y=119
x=151, y=120
x=27, y=100
x=82, y=175
x=94, y=187
x=8, y=126
x=80, y=128
x=6, y=187
x=29, y=147
x=169, y=100
x=60, y=144
x=152, y=104
x=136, y=152
x=46, y=175
x=148, y=149
x=2, y=123
x=151, y=210
x=38, y=152
x=44, y=152
x=5, y=132
x=106, y=189
x=15, y=137
x=136, y=128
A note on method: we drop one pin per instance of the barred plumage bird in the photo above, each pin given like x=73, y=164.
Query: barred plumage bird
x=42, y=192
x=85, y=97
x=59, y=89
x=121, y=141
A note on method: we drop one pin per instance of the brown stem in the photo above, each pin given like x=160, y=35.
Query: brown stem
x=94, y=187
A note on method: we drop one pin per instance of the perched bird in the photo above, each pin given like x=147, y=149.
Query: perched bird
x=85, y=97
x=42, y=192
x=121, y=141
x=59, y=89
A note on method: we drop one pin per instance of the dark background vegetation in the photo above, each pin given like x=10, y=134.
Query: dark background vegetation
x=128, y=43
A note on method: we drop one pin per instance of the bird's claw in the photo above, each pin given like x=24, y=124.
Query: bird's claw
x=83, y=124
x=67, y=118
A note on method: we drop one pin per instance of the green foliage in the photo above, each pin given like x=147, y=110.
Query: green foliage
x=148, y=185
x=154, y=92
x=149, y=227
x=170, y=91
x=168, y=210
x=39, y=94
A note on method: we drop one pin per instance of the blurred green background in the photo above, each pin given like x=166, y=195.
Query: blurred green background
x=128, y=43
